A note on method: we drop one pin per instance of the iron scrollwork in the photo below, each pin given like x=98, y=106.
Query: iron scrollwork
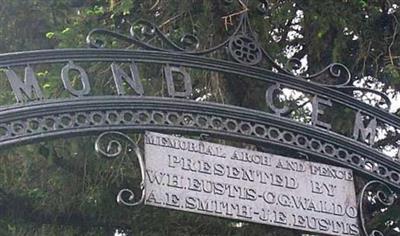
x=375, y=198
x=26, y=123
x=343, y=77
x=188, y=43
x=109, y=145
x=243, y=47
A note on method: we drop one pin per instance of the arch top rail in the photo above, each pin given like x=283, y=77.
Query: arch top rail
x=32, y=58
x=159, y=57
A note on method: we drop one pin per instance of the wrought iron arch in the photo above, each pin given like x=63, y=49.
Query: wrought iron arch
x=42, y=119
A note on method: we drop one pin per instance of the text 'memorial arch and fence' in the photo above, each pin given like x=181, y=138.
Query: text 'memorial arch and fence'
x=128, y=107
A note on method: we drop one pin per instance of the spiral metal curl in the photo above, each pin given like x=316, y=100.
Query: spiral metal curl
x=337, y=71
x=383, y=197
x=107, y=145
x=342, y=76
x=188, y=43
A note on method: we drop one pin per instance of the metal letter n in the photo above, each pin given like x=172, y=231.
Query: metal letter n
x=133, y=81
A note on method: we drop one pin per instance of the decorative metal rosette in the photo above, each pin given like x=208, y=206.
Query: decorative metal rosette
x=245, y=50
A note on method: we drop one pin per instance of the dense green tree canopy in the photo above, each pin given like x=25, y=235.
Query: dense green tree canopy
x=62, y=187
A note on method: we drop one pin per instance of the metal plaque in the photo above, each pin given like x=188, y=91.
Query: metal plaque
x=219, y=180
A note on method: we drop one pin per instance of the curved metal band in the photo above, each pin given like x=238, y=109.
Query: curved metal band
x=37, y=121
x=115, y=55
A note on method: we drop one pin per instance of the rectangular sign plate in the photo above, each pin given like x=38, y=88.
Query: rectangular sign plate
x=219, y=180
